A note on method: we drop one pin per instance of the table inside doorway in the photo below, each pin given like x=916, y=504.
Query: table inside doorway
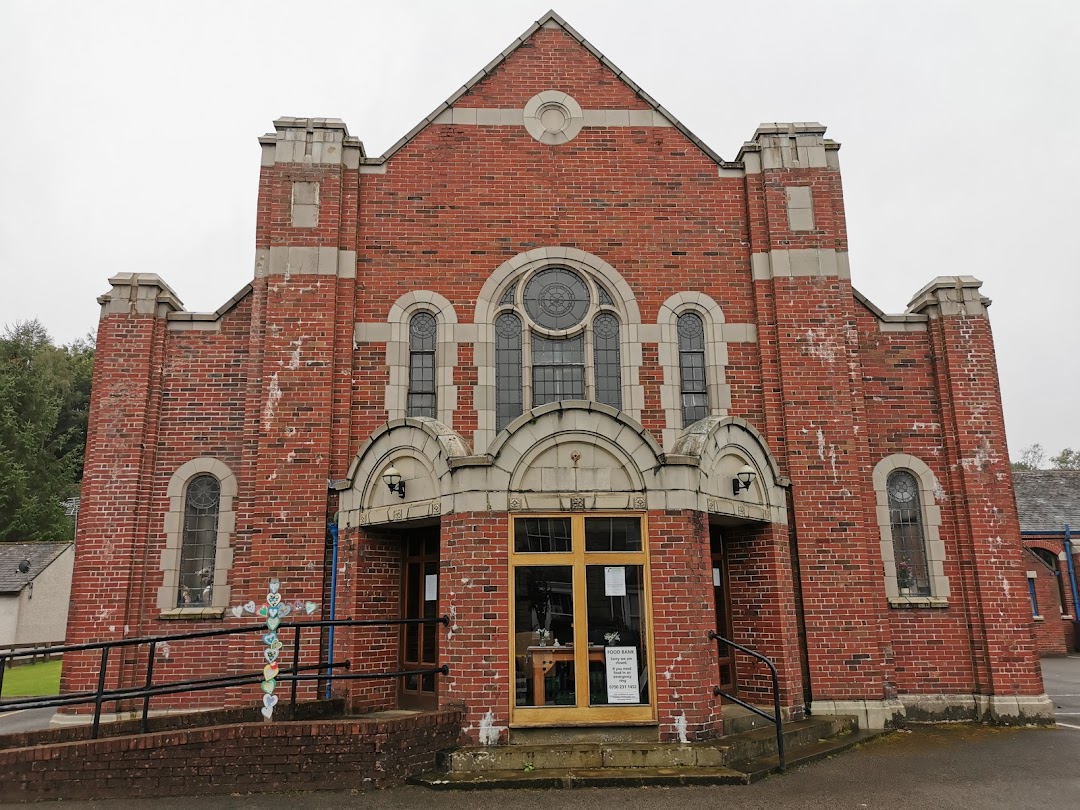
x=542, y=659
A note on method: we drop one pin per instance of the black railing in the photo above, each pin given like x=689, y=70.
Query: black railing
x=776, y=719
x=99, y=696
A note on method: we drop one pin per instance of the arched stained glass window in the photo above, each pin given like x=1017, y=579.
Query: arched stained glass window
x=507, y=369
x=695, y=397
x=908, y=537
x=422, y=365
x=202, y=505
x=606, y=359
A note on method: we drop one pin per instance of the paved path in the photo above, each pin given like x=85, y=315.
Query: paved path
x=931, y=768
x=1061, y=676
x=26, y=720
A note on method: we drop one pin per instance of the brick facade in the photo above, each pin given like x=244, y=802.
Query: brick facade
x=297, y=386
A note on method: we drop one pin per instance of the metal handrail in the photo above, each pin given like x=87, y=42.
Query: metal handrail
x=296, y=673
x=776, y=719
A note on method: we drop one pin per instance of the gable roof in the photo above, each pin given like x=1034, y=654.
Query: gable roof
x=40, y=555
x=551, y=19
x=1048, y=499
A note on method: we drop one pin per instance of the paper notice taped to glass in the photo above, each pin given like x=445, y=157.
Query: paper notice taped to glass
x=622, y=675
x=431, y=587
x=614, y=580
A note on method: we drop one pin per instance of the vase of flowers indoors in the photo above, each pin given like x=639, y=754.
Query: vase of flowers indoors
x=904, y=577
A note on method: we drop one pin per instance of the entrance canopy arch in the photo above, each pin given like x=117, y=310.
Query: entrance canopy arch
x=576, y=455
x=722, y=445
x=422, y=450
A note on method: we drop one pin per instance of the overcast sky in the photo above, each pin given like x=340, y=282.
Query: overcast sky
x=130, y=142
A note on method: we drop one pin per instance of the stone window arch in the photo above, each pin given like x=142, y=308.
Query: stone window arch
x=909, y=523
x=438, y=400
x=559, y=324
x=199, y=525
x=711, y=395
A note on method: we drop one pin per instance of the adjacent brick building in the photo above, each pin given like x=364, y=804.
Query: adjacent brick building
x=1048, y=503
x=631, y=394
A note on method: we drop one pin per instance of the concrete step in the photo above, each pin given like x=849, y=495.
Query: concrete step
x=761, y=767
x=580, y=777
x=735, y=759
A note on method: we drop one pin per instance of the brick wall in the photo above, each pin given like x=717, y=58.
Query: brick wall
x=1056, y=633
x=246, y=757
x=284, y=397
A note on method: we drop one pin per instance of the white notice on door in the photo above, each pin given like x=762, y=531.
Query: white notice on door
x=431, y=587
x=716, y=577
x=622, y=675
x=614, y=580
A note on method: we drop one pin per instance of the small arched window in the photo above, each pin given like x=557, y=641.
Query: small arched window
x=202, y=506
x=507, y=369
x=908, y=535
x=421, y=400
x=695, y=397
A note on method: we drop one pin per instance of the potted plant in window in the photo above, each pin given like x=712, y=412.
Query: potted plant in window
x=904, y=577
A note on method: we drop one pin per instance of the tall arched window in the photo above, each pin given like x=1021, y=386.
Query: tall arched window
x=421, y=400
x=507, y=369
x=202, y=505
x=606, y=359
x=695, y=397
x=908, y=536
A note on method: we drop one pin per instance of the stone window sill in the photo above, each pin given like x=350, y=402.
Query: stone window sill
x=192, y=613
x=1038, y=618
x=918, y=602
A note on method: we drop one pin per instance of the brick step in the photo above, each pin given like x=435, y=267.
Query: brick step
x=735, y=759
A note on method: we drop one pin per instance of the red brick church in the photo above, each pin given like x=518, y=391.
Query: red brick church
x=554, y=368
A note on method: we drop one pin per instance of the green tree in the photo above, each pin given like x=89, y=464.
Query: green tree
x=44, y=398
x=1067, y=459
x=1031, y=458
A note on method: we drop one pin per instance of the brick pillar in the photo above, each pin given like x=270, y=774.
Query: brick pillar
x=107, y=591
x=815, y=415
x=683, y=613
x=474, y=577
x=987, y=528
x=301, y=340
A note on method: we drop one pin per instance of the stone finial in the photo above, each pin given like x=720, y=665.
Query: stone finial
x=311, y=140
x=950, y=295
x=139, y=294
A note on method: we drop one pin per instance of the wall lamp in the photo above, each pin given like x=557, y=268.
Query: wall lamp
x=742, y=480
x=392, y=478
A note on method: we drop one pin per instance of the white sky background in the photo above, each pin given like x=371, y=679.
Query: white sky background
x=131, y=137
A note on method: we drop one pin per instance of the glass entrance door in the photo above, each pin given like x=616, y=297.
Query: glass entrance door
x=581, y=640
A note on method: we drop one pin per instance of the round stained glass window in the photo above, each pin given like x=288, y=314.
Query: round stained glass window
x=556, y=299
x=902, y=487
x=203, y=492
